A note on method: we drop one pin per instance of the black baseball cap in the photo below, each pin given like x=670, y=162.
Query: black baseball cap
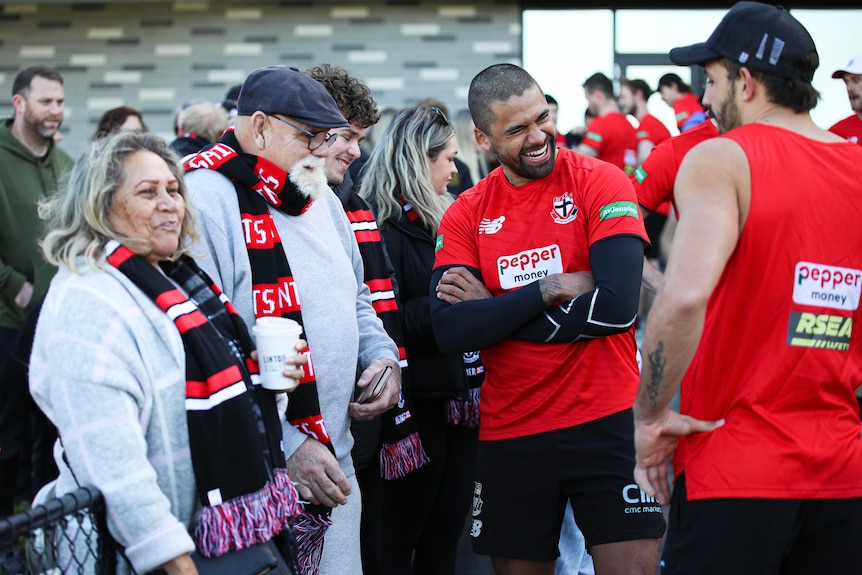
x=761, y=37
x=287, y=91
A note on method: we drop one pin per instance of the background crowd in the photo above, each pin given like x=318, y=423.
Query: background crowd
x=501, y=272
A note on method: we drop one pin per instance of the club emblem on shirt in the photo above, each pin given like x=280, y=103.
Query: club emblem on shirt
x=489, y=226
x=565, y=209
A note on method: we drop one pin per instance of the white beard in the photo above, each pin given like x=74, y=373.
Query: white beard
x=309, y=177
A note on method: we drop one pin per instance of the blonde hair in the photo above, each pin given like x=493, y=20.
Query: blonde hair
x=205, y=119
x=468, y=150
x=77, y=214
x=400, y=165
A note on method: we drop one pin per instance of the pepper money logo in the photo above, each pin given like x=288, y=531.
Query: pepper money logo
x=827, y=286
x=519, y=269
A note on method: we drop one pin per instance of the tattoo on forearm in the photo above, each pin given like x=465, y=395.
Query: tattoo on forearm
x=657, y=363
x=549, y=287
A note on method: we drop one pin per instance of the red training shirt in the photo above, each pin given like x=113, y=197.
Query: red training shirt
x=781, y=354
x=515, y=235
x=849, y=128
x=615, y=139
x=654, y=179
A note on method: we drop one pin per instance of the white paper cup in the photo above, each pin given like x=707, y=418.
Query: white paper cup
x=275, y=338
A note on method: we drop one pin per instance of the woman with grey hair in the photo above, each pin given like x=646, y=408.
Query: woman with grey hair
x=405, y=182
x=147, y=371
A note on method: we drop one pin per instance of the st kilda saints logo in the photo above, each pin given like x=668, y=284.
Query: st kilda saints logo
x=565, y=209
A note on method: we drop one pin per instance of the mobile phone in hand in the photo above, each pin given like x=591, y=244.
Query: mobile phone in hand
x=373, y=390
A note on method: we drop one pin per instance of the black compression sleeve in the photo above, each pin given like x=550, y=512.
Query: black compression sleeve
x=617, y=265
x=473, y=325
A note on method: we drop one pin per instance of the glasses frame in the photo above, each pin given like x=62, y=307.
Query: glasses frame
x=316, y=139
x=439, y=114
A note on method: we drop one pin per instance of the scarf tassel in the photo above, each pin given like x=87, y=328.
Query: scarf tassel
x=309, y=530
x=249, y=519
x=403, y=457
x=465, y=413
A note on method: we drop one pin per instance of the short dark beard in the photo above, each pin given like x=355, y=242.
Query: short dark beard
x=535, y=172
x=727, y=112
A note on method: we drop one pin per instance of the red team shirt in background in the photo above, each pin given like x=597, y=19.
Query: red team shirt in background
x=515, y=235
x=651, y=128
x=654, y=179
x=615, y=139
x=685, y=107
x=781, y=353
x=849, y=128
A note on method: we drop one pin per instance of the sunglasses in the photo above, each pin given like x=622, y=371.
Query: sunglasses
x=438, y=113
x=315, y=139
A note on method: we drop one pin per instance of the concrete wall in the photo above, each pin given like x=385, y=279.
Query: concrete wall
x=154, y=56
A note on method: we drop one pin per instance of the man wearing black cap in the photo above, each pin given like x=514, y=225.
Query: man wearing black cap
x=755, y=320
x=280, y=245
x=851, y=126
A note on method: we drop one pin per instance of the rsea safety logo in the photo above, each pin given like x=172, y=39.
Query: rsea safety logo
x=821, y=331
x=827, y=286
x=528, y=266
x=619, y=210
x=640, y=174
x=439, y=245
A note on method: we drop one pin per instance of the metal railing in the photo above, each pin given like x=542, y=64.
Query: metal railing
x=62, y=536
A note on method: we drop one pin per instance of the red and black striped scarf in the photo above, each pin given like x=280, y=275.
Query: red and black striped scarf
x=260, y=184
x=401, y=452
x=234, y=428
x=458, y=412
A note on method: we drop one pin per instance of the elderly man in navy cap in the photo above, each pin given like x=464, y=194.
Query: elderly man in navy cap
x=757, y=320
x=280, y=245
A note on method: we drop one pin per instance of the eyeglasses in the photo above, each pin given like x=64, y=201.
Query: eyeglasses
x=316, y=139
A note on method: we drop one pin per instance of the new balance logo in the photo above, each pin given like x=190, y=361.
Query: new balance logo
x=489, y=226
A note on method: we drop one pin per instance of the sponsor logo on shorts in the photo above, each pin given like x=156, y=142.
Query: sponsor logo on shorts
x=822, y=331
x=827, y=286
x=639, y=501
x=619, y=210
x=490, y=226
x=528, y=266
x=402, y=417
x=477, y=498
x=565, y=209
x=476, y=526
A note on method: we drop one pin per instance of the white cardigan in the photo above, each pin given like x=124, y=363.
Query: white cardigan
x=108, y=368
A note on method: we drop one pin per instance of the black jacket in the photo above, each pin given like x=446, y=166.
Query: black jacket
x=433, y=374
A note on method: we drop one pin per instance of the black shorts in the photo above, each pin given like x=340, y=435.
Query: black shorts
x=762, y=536
x=522, y=485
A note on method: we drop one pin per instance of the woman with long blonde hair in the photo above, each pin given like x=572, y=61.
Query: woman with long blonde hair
x=406, y=182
